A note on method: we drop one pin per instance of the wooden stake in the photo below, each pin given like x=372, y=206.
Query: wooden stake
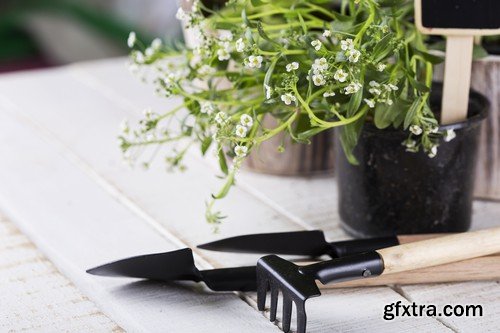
x=456, y=79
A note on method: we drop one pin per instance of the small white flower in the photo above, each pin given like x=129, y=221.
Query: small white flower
x=226, y=35
x=319, y=65
x=415, y=129
x=223, y=53
x=433, y=152
x=318, y=80
x=246, y=120
x=327, y=33
x=292, y=66
x=240, y=151
x=449, y=135
x=346, y=44
x=411, y=145
x=340, y=75
x=353, y=88
x=374, y=84
x=269, y=91
x=220, y=117
x=316, y=44
x=393, y=87
x=139, y=57
x=241, y=131
x=374, y=91
x=207, y=107
x=328, y=94
x=156, y=43
x=254, y=61
x=206, y=70
x=370, y=102
x=181, y=14
x=353, y=55
x=132, y=38
x=380, y=67
x=240, y=45
x=149, y=52
x=389, y=101
x=288, y=98
x=124, y=127
x=434, y=129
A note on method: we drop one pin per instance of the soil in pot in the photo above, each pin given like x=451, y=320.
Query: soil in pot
x=392, y=191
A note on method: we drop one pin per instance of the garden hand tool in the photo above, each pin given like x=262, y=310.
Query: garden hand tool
x=306, y=243
x=297, y=284
x=179, y=266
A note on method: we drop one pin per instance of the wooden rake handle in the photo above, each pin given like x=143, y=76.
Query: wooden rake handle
x=441, y=250
x=477, y=269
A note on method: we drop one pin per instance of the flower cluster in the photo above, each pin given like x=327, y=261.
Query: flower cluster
x=281, y=59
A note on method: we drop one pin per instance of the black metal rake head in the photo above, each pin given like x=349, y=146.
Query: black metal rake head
x=298, y=283
x=276, y=274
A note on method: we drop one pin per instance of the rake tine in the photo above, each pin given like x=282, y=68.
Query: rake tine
x=287, y=313
x=274, y=302
x=301, y=317
x=261, y=293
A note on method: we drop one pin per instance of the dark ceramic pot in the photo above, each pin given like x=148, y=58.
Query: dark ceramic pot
x=392, y=191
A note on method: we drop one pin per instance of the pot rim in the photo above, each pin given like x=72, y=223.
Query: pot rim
x=477, y=101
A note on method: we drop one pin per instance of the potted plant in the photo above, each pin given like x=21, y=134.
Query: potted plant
x=315, y=158
x=312, y=69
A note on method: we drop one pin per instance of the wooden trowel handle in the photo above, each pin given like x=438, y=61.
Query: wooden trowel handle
x=441, y=250
x=405, y=239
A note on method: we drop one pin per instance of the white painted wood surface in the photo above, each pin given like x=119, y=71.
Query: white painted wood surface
x=35, y=296
x=63, y=183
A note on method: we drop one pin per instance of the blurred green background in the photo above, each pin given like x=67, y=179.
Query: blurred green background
x=44, y=33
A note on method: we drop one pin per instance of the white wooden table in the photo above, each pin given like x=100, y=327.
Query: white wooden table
x=62, y=183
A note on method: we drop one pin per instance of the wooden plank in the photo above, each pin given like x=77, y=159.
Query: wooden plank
x=486, y=79
x=78, y=224
x=157, y=196
x=38, y=297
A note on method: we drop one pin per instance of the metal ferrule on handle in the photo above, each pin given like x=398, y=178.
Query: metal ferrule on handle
x=355, y=246
x=347, y=268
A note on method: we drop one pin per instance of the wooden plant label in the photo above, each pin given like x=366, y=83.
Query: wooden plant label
x=460, y=21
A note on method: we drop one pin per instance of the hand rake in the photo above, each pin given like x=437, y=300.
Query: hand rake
x=297, y=284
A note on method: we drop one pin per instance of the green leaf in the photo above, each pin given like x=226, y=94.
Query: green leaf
x=354, y=103
x=263, y=34
x=244, y=17
x=257, y=3
x=222, y=161
x=306, y=135
x=417, y=85
x=205, y=144
x=383, y=116
x=381, y=49
x=412, y=112
x=433, y=59
x=479, y=52
x=269, y=74
x=349, y=136
x=302, y=24
x=389, y=3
